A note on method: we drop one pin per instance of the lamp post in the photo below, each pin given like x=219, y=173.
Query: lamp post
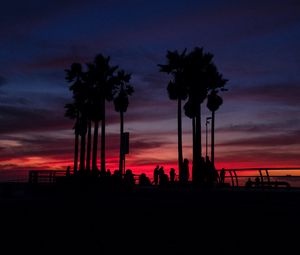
x=207, y=122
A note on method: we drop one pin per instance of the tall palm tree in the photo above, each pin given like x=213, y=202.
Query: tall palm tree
x=121, y=103
x=79, y=89
x=176, y=91
x=89, y=106
x=197, y=81
x=72, y=112
x=104, y=83
x=200, y=76
x=95, y=111
x=214, y=101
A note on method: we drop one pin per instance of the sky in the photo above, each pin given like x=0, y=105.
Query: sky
x=255, y=46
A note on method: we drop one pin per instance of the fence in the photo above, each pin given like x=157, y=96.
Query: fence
x=263, y=177
x=235, y=177
x=45, y=176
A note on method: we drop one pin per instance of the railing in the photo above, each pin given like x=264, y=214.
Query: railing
x=259, y=177
x=263, y=177
x=45, y=176
x=234, y=177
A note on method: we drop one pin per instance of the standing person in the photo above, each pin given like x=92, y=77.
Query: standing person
x=108, y=173
x=161, y=173
x=172, y=175
x=222, y=176
x=155, y=175
x=68, y=171
x=129, y=179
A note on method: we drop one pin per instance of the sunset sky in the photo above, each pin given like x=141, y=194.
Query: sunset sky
x=256, y=46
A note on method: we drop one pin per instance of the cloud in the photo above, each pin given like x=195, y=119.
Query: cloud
x=257, y=158
x=276, y=93
x=56, y=63
x=3, y=81
x=261, y=127
x=16, y=119
x=32, y=144
x=274, y=140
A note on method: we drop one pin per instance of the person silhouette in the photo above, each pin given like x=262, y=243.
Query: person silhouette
x=249, y=183
x=212, y=175
x=161, y=173
x=129, y=179
x=222, y=176
x=144, y=180
x=155, y=175
x=257, y=181
x=163, y=179
x=172, y=175
x=68, y=171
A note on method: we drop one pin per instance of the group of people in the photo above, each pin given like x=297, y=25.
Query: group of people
x=207, y=174
x=161, y=178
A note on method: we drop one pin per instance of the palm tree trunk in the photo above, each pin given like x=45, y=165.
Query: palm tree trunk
x=82, y=152
x=89, y=145
x=121, y=142
x=76, y=152
x=198, y=131
x=213, y=138
x=197, y=150
x=194, y=151
x=103, y=139
x=180, y=156
x=95, y=145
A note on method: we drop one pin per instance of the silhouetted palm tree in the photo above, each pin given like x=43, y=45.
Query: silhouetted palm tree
x=104, y=83
x=176, y=91
x=197, y=81
x=79, y=89
x=121, y=102
x=214, y=101
x=95, y=110
x=90, y=112
x=72, y=112
x=200, y=76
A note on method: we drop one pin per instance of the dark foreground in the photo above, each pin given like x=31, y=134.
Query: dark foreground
x=174, y=220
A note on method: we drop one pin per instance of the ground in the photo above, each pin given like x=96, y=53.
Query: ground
x=150, y=220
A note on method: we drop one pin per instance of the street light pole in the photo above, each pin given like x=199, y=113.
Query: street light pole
x=207, y=122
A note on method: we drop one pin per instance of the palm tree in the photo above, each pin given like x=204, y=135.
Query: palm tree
x=104, y=83
x=72, y=112
x=200, y=76
x=197, y=82
x=90, y=115
x=95, y=111
x=121, y=103
x=176, y=91
x=214, y=101
x=79, y=89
